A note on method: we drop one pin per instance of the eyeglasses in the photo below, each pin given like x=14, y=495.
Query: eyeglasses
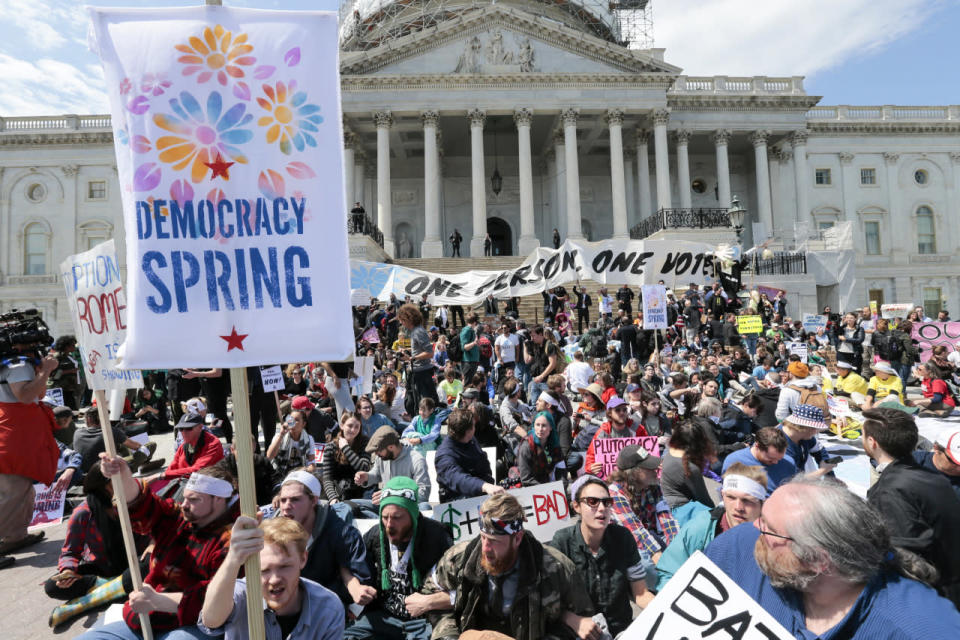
x=593, y=502
x=762, y=526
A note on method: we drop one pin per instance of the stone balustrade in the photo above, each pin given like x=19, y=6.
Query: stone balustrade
x=883, y=112
x=759, y=85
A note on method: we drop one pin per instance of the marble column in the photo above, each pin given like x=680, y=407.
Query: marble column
x=764, y=201
x=643, y=173
x=682, y=136
x=559, y=150
x=662, y=156
x=629, y=153
x=358, y=173
x=384, y=120
x=614, y=118
x=528, y=238
x=720, y=139
x=901, y=243
x=574, y=230
x=349, y=159
x=432, y=246
x=477, y=182
x=798, y=140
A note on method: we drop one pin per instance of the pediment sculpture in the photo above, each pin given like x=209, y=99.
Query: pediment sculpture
x=497, y=56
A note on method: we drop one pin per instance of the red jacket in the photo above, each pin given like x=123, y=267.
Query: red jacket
x=27, y=447
x=606, y=431
x=209, y=452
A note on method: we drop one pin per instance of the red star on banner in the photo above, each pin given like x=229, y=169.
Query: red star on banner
x=234, y=340
x=220, y=168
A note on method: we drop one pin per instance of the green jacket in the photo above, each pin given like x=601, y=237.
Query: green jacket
x=549, y=587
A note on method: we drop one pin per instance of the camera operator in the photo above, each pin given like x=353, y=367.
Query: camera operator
x=28, y=451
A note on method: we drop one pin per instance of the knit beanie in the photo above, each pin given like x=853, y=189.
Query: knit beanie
x=401, y=491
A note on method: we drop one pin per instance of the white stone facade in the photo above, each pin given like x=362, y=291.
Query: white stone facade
x=589, y=137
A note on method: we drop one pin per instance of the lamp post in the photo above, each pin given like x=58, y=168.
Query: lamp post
x=737, y=214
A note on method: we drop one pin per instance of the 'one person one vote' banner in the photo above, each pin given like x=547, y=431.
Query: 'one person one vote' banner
x=227, y=131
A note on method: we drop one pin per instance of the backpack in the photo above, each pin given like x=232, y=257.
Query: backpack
x=895, y=346
x=486, y=348
x=454, y=348
x=812, y=397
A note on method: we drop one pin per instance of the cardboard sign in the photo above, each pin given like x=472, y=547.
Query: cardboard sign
x=700, y=601
x=931, y=334
x=47, y=506
x=654, y=306
x=545, y=507
x=318, y=449
x=798, y=348
x=749, y=324
x=363, y=367
x=895, y=310
x=54, y=397
x=873, y=307
x=371, y=335
x=98, y=313
x=272, y=378
x=813, y=322
x=606, y=450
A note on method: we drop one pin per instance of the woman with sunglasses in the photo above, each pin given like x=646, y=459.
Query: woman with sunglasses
x=604, y=553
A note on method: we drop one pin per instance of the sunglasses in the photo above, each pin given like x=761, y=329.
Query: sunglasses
x=593, y=502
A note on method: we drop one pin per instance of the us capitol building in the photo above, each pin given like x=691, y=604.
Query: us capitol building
x=521, y=116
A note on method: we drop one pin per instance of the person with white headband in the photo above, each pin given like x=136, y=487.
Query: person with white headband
x=744, y=490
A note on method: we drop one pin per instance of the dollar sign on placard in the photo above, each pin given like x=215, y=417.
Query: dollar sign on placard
x=450, y=517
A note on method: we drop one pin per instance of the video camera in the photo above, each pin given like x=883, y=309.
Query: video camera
x=23, y=334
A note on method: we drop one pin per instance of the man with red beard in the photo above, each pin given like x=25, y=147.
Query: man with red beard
x=825, y=567
x=505, y=581
x=294, y=608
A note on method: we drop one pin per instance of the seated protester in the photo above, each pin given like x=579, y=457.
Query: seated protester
x=767, y=452
x=344, y=456
x=423, y=433
x=651, y=382
x=799, y=387
x=391, y=398
x=578, y=372
x=65, y=425
x=320, y=423
x=884, y=383
x=200, y=449
x=507, y=582
x=514, y=414
x=539, y=452
x=604, y=553
x=618, y=425
x=557, y=385
x=292, y=447
x=848, y=382
x=763, y=368
x=801, y=429
x=190, y=543
x=451, y=386
x=744, y=490
x=681, y=394
x=392, y=459
x=645, y=409
x=737, y=420
x=945, y=457
x=690, y=450
x=149, y=406
x=608, y=382
x=937, y=400
x=463, y=470
x=88, y=442
x=294, y=607
x=93, y=557
x=769, y=394
x=589, y=415
x=335, y=554
x=402, y=553
x=483, y=418
x=370, y=419
x=296, y=383
x=265, y=476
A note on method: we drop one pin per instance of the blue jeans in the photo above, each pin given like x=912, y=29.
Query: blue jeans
x=535, y=389
x=120, y=631
x=380, y=624
x=751, y=340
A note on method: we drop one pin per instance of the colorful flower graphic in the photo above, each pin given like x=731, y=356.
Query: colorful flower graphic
x=125, y=86
x=218, y=52
x=154, y=83
x=200, y=135
x=291, y=119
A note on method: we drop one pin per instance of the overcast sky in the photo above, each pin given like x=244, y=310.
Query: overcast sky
x=851, y=51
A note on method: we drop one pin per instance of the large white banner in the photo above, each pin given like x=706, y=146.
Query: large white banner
x=616, y=261
x=227, y=130
x=98, y=310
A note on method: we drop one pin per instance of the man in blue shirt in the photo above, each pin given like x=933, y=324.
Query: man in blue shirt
x=767, y=451
x=824, y=567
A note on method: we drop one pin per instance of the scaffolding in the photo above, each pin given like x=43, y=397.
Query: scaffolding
x=367, y=24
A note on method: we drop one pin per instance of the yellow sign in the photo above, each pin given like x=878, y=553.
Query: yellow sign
x=749, y=324
x=873, y=307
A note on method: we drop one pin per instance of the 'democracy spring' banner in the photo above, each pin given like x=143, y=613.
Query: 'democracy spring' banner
x=228, y=138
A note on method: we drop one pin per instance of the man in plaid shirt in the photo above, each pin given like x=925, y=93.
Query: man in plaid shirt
x=191, y=541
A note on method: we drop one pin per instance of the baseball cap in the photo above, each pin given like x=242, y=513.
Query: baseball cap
x=630, y=388
x=949, y=439
x=382, y=437
x=614, y=402
x=302, y=403
x=189, y=421
x=634, y=456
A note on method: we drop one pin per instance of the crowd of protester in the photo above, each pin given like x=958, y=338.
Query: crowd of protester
x=745, y=413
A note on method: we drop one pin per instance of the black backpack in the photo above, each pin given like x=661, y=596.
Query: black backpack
x=454, y=348
x=894, y=346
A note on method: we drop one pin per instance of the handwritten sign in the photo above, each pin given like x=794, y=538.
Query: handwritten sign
x=47, y=506
x=895, y=310
x=272, y=378
x=371, y=335
x=654, y=306
x=606, y=450
x=545, y=507
x=54, y=397
x=749, y=324
x=812, y=322
x=98, y=313
x=798, y=349
x=931, y=334
x=699, y=601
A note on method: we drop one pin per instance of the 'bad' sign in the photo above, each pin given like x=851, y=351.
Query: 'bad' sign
x=701, y=601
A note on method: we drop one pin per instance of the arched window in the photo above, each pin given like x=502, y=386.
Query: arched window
x=926, y=233
x=35, y=250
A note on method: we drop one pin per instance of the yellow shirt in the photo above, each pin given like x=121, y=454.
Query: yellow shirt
x=883, y=388
x=850, y=383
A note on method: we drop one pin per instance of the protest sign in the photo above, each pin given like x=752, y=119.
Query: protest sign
x=812, y=322
x=873, y=307
x=606, y=450
x=363, y=367
x=229, y=146
x=545, y=507
x=749, y=324
x=895, y=310
x=272, y=378
x=699, y=601
x=98, y=313
x=799, y=349
x=54, y=397
x=318, y=449
x=371, y=335
x=931, y=334
x=654, y=306
x=47, y=506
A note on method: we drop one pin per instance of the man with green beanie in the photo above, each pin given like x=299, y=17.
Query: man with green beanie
x=401, y=554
